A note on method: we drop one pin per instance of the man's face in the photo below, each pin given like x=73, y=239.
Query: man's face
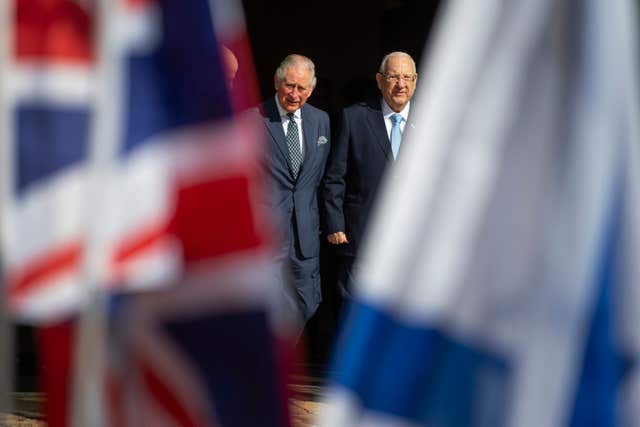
x=229, y=65
x=294, y=90
x=398, y=82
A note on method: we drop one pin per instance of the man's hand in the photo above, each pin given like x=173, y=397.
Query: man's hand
x=337, y=238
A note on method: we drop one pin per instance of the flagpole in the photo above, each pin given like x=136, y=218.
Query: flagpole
x=90, y=358
x=6, y=328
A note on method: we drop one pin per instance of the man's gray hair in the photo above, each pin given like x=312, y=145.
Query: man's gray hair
x=383, y=64
x=295, y=60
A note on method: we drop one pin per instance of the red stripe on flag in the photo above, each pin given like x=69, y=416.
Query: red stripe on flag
x=55, y=345
x=53, y=30
x=215, y=218
x=135, y=246
x=115, y=396
x=163, y=395
x=135, y=4
x=45, y=269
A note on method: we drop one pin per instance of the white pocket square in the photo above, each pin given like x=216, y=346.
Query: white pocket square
x=322, y=140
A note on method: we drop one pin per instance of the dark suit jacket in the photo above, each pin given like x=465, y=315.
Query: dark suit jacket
x=299, y=197
x=356, y=165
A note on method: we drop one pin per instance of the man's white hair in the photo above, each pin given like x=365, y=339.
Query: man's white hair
x=385, y=60
x=295, y=60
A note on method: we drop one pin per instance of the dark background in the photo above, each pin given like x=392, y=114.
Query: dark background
x=346, y=40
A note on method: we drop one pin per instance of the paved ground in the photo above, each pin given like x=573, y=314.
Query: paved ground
x=18, y=421
x=302, y=415
x=303, y=412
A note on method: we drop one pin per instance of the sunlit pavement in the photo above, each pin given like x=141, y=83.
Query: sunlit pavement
x=303, y=410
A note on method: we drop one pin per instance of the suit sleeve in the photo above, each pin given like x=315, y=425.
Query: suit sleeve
x=333, y=188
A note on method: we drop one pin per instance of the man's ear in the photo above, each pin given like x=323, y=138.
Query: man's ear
x=275, y=82
x=379, y=80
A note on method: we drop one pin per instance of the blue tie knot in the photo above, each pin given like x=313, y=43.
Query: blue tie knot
x=396, y=118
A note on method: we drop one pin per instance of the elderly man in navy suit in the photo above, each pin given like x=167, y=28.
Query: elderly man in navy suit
x=298, y=149
x=368, y=142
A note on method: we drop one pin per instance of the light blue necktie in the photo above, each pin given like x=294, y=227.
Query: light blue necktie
x=396, y=136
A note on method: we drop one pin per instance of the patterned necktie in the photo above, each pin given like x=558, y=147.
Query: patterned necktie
x=396, y=136
x=293, y=141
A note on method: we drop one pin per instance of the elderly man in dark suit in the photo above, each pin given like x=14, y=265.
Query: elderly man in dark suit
x=298, y=149
x=368, y=142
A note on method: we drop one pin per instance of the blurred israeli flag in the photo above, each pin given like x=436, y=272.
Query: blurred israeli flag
x=500, y=285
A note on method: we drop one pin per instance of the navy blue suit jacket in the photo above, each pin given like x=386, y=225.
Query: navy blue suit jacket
x=298, y=197
x=357, y=162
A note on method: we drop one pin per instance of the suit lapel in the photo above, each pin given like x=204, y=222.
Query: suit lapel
x=376, y=121
x=274, y=126
x=310, y=132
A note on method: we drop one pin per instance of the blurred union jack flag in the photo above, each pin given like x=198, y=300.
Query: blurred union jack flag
x=127, y=168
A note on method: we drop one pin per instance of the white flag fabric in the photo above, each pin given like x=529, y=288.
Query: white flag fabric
x=499, y=285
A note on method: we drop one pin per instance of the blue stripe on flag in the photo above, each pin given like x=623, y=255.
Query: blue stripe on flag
x=419, y=374
x=49, y=138
x=234, y=359
x=182, y=82
x=603, y=366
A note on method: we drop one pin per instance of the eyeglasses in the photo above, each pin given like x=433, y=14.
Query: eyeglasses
x=292, y=86
x=407, y=78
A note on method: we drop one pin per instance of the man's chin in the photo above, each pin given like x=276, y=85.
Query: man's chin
x=400, y=100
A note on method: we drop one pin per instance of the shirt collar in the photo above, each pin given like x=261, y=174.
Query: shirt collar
x=283, y=113
x=387, y=111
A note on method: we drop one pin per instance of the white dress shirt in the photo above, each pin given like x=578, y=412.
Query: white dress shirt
x=297, y=116
x=387, y=112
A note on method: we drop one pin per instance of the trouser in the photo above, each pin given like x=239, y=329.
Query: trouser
x=345, y=275
x=299, y=279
